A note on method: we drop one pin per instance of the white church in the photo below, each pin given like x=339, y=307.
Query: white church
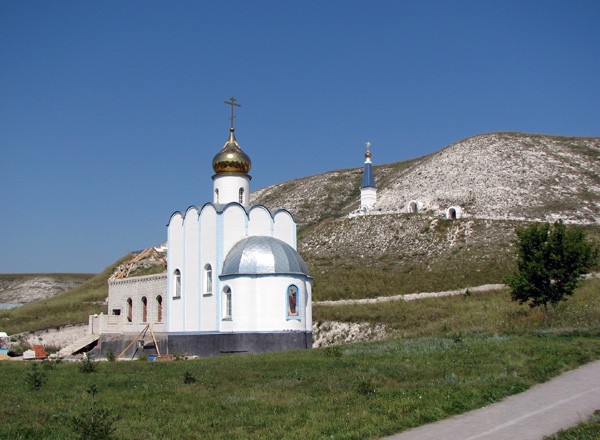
x=234, y=283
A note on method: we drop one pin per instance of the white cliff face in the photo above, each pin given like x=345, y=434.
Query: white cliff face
x=506, y=175
x=490, y=176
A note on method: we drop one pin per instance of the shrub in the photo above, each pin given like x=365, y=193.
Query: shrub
x=110, y=355
x=35, y=377
x=188, y=377
x=87, y=365
x=94, y=423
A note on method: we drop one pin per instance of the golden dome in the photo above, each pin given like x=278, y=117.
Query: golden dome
x=231, y=159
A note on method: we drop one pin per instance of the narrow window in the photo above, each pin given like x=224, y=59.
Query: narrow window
x=242, y=196
x=129, y=310
x=208, y=279
x=159, y=308
x=414, y=208
x=177, y=275
x=217, y=195
x=144, y=309
x=293, y=302
x=227, y=303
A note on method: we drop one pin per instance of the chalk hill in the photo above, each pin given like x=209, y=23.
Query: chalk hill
x=25, y=288
x=497, y=175
x=500, y=180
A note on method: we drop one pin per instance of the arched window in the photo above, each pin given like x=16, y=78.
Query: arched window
x=227, y=308
x=129, y=310
x=293, y=302
x=159, y=308
x=241, y=196
x=413, y=207
x=217, y=195
x=208, y=280
x=452, y=213
x=144, y=309
x=177, y=283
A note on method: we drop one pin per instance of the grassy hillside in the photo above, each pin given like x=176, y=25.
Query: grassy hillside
x=388, y=255
x=71, y=307
x=365, y=390
x=490, y=312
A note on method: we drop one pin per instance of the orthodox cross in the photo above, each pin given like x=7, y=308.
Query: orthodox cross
x=368, y=144
x=232, y=103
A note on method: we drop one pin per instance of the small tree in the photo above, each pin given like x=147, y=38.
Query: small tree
x=550, y=261
x=94, y=423
x=35, y=378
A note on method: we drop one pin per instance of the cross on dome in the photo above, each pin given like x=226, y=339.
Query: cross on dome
x=232, y=103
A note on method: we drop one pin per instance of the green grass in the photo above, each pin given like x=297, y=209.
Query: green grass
x=71, y=307
x=350, y=392
x=588, y=430
x=335, y=279
x=460, y=353
x=481, y=312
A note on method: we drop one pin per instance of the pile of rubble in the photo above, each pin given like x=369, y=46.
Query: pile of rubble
x=150, y=258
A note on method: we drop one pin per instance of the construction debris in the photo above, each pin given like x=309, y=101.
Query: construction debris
x=148, y=258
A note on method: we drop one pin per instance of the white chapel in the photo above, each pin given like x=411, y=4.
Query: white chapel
x=234, y=283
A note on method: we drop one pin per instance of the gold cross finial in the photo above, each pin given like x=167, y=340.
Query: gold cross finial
x=232, y=103
x=368, y=144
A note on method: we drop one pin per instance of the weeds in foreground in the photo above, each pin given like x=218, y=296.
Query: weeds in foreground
x=188, y=377
x=87, y=365
x=94, y=423
x=588, y=430
x=35, y=377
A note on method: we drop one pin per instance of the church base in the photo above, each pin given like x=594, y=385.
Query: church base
x=200, y=344
x=213, y=344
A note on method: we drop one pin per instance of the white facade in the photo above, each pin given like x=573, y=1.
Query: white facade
x=368, y=197
x=231, y=188
x=234, y=280
x=133, y=303
x=199, y=241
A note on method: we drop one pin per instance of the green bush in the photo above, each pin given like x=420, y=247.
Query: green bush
x=35, y=377
x=87, y=365
x=94, y=423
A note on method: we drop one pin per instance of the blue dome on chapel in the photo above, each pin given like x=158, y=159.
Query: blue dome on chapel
x=259, y=254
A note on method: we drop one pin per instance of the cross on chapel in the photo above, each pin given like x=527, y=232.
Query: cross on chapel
x=232, y=103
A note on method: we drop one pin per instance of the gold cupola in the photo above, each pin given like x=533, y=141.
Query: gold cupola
x=231, y=158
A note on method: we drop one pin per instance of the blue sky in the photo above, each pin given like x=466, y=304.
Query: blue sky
x=111, y=111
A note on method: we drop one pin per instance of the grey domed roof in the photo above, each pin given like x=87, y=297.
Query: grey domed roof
x=263, y=255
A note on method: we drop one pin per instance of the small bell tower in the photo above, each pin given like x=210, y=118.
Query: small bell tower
x=368, y=188
x=231, y=181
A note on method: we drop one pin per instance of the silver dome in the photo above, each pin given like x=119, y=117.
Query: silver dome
x=263, y=255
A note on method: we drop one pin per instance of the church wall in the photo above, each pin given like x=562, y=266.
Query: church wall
x=368, y=196
x=260, y=221
x=284, y=227
x=191, y=269
x=234, y=227
x=135, y=288
x=208, y=254
x=176, y=259
x=228, y=186
x=260, y=304
x=243, y=307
